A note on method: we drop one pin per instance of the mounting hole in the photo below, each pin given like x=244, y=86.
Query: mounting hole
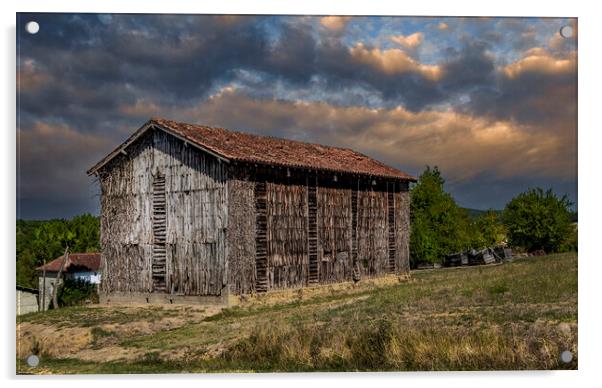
x=32, y=27
x=33, y=360
x=566, y=356
x=566, y=31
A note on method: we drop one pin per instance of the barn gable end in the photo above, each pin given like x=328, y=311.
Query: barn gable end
x=195, y=189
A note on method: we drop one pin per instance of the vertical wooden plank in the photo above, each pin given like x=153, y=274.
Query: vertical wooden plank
x=354, y=226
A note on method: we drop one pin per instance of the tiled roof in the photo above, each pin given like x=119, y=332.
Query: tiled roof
x=80, y=261
x=246, y=147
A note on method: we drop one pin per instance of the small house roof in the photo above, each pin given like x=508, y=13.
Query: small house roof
x=79, y=261
x=27, y=289
x=231, y=145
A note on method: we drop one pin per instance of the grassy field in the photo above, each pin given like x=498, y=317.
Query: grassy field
x=518, y=315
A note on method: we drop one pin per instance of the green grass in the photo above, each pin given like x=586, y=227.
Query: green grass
x=518, y=315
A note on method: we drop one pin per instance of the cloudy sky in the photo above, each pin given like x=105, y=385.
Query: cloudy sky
x=491, y=101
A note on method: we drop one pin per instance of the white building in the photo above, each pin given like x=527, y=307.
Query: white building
x=27, y=300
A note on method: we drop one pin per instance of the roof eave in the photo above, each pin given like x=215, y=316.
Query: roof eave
x=408, y=178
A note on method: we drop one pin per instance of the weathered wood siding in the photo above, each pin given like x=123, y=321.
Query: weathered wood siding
x=125, y=222
x=280, y=220
x=402, y=228
x=196, y=218
x=288, y=263
x=334, y=230
x=240, y=246
x=372, y=230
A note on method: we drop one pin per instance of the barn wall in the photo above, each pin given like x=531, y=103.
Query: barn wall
x=240, y=248
x=196, y=215
x=288, y=228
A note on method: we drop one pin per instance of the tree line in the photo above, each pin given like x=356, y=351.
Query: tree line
x=533, y=220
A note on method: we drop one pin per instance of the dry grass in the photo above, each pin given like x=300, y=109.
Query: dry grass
x=519, y=315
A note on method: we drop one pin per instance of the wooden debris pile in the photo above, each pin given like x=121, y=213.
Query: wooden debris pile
x=484, y=256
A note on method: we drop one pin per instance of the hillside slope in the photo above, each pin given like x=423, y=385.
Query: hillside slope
x=518, y=315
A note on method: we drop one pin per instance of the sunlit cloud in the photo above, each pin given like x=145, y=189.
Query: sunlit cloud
x=538, y=60
x=335, y=22
x=409, y=41
x=393, y=61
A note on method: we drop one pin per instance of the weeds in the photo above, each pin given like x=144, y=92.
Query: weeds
x=98, y=333
x=37, y=346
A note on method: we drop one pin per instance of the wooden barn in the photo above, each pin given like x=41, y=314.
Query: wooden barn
x=191, y=212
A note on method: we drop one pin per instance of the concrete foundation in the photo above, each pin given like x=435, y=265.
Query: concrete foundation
x=118, y=298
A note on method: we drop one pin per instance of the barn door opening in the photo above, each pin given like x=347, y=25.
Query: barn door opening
x=159, y=231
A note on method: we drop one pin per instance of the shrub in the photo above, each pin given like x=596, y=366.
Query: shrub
x=538, y=220
x=76, y=292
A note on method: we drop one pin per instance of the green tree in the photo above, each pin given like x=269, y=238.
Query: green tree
x=439, y=225
x=86, y=229
x=26, y=269
x=538, y=219
x=490, y=229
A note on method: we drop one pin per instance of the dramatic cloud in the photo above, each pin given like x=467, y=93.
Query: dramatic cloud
x=483, y=98
x=50, y=162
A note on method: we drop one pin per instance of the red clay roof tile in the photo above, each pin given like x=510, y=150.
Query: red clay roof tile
x=85, y=261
